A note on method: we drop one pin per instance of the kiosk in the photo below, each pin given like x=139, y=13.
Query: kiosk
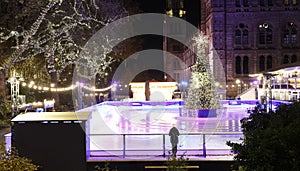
x=53, y=140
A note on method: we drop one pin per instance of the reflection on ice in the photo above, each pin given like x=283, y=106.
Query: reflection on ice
x=146, y=125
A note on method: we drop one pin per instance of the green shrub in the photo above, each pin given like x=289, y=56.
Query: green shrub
x=271, y=140
x=11, y=161
x=177, y=164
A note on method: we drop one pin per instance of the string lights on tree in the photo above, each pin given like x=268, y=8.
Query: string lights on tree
x=60, y=31
x=202, y=92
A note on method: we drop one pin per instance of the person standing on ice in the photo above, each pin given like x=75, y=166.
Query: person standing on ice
x=174, y=133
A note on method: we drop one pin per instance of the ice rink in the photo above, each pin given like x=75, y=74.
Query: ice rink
x=137, y=129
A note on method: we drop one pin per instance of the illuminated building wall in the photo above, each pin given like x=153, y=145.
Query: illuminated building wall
x=159, y=91
x=251, y=37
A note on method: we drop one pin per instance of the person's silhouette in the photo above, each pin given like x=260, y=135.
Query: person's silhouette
x=174, y=133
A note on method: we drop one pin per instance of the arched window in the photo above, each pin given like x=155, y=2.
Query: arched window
x=261, y=63
x=285, y=59
x=269, y=62
x=241, y=34
x=238, y=37
x=238, y=65
x=265, y=34
x=290, y=34
x=245, y=65
x=294, y=59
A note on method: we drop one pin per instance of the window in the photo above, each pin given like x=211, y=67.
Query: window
x=294, y=2
x=245, y=3
x=238, y=37
x=294, y=59
x=261, y=63
x=285, y=59
x=286, y=35
x=269, y=36
x=261, y=37
x=245, y=37
x=262, y=3
x=293, y=36
x=270, y=2
x=265, y=34
x=241, y=35
x=269, y=62
x=286, y=2
x=237, y=3
x=238, y=65
x=176, y=64
x=245, y=65
x=290, y=34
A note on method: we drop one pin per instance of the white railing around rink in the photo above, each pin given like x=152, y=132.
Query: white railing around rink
x=163, y=150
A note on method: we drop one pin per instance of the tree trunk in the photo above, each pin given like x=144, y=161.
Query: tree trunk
x=2, y=84
x=54, y=93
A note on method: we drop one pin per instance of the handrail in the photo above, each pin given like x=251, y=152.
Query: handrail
x=191, y=133
x=204, y=134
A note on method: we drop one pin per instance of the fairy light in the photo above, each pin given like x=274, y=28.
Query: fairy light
x=97, y=90
x=52, y=87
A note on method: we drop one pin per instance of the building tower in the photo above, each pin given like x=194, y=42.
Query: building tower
x=174, y=8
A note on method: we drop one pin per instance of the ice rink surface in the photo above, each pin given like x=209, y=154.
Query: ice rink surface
x=143, y=129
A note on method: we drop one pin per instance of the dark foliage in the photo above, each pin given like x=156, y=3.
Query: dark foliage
x=271, y=140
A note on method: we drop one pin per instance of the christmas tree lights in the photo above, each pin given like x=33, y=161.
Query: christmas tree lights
x=202, y=92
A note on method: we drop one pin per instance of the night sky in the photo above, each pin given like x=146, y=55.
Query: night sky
x=192, y=8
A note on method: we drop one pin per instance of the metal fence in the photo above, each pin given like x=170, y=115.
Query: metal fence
x=195, y=144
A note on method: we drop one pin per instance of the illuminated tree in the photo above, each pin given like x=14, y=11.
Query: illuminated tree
x=61, y=30
x=202, y=91
x=59, y=33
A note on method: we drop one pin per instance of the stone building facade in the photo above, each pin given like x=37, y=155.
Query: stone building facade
x=252, y=37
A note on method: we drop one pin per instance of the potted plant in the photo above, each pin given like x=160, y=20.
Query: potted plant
x=202, y=93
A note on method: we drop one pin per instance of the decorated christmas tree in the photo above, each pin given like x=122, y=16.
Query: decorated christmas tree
x=202, y=92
